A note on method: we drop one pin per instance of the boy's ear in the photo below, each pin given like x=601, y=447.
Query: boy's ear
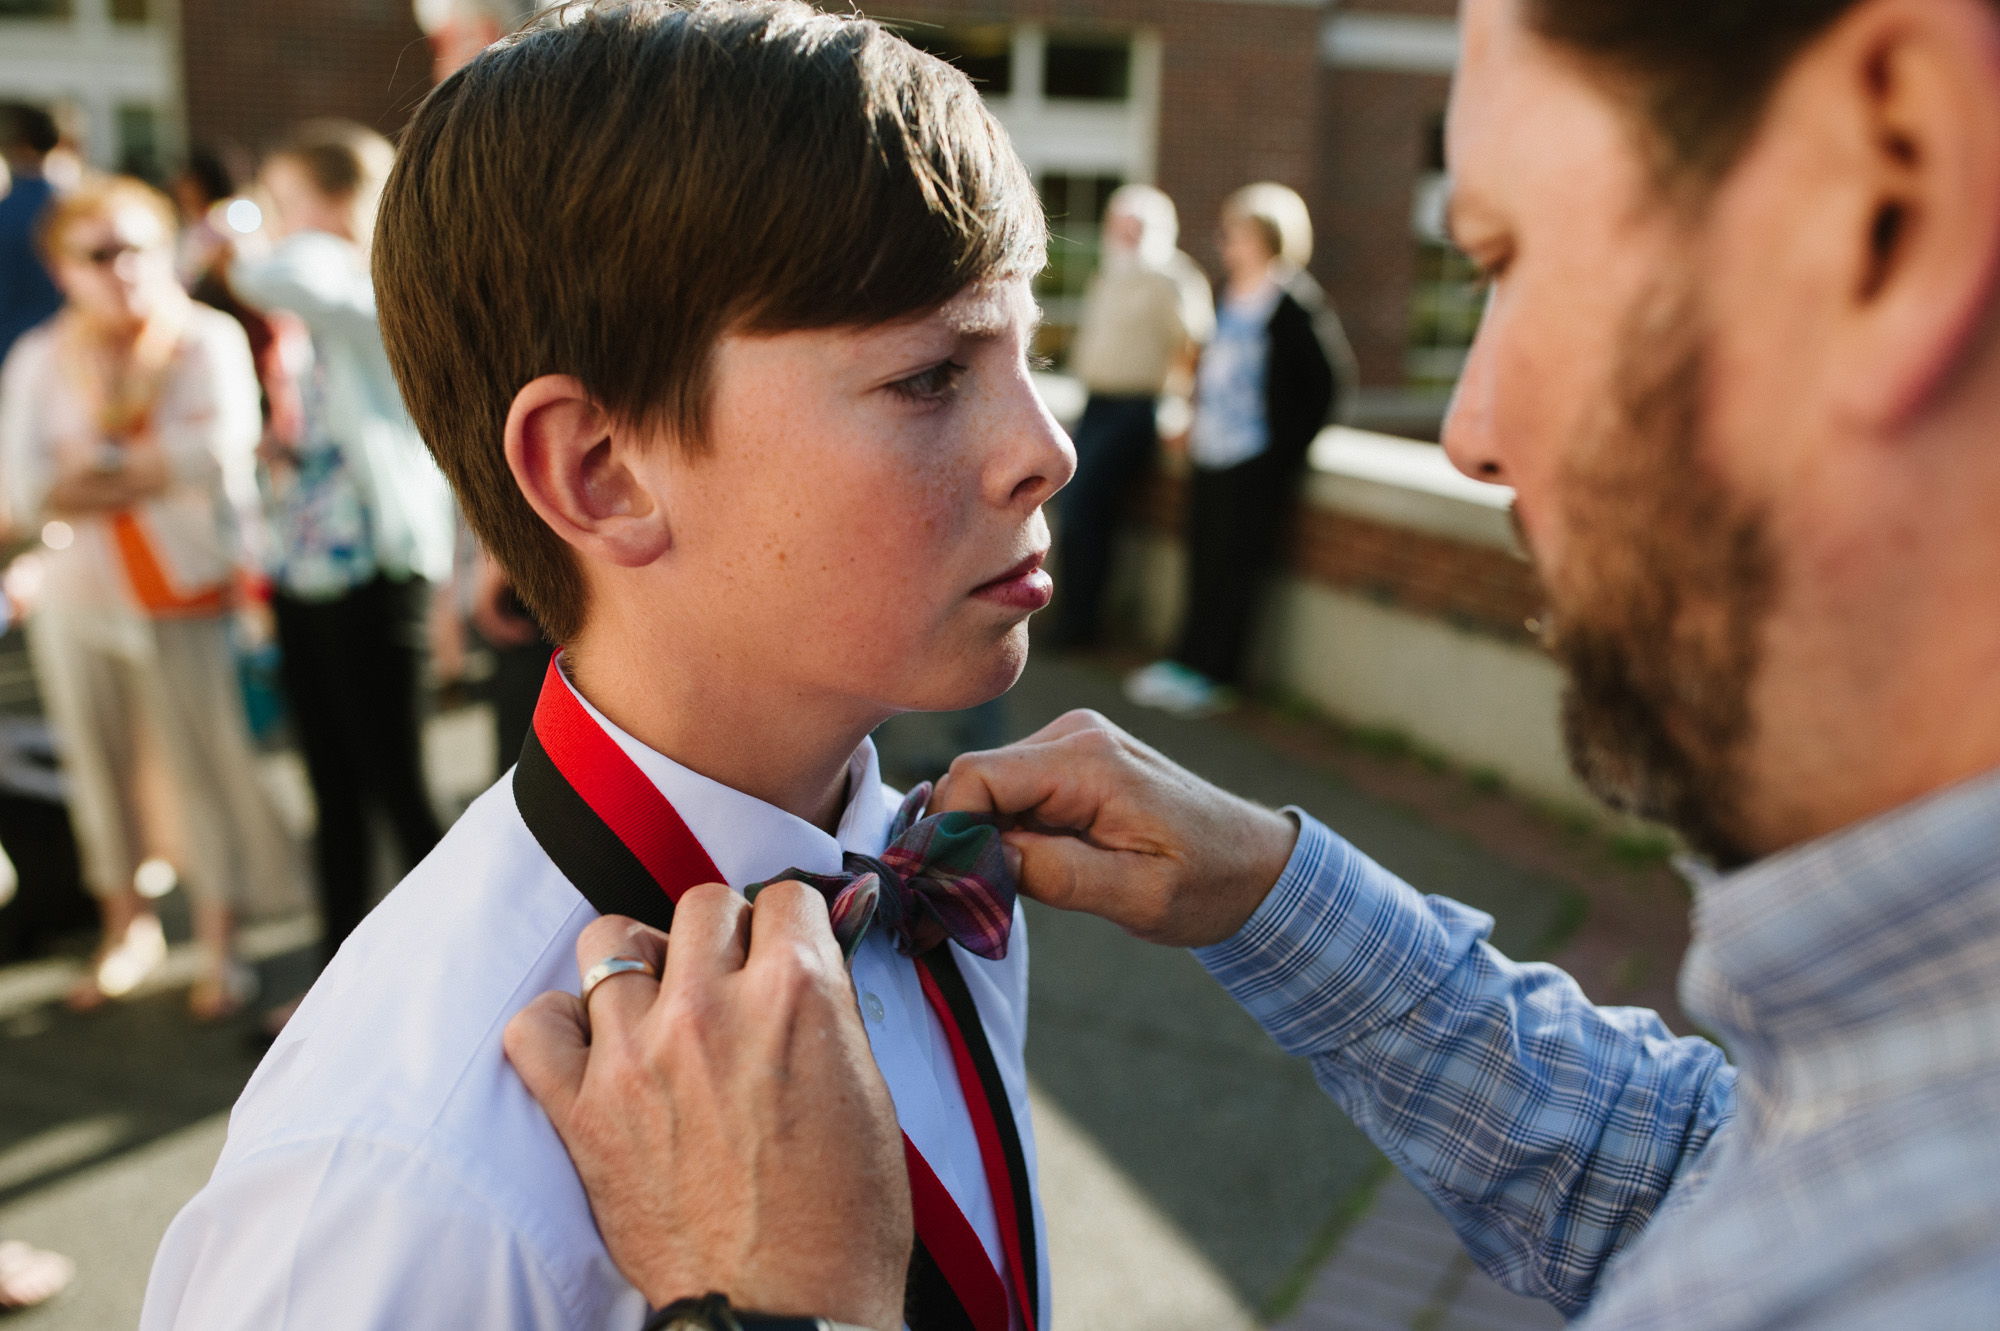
x=573, y=465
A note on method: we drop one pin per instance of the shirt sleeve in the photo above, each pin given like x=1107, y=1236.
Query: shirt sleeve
x=1197, y=300
x=316, y=278
x=1546, y=1129
x=211, y=432
x=26, y=468
x=342, y=1234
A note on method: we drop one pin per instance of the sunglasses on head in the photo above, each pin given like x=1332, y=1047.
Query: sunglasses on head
x=103, y=256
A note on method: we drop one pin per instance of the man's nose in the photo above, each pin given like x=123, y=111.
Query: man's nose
x=1469, y=438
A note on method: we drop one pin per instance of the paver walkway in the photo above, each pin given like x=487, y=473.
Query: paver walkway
x=1195, y=1178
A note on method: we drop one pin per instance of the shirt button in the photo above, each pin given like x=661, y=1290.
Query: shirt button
x=873, y=1006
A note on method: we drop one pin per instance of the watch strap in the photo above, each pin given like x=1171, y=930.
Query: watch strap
x=712, y=1312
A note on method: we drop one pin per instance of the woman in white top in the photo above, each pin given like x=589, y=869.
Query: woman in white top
x=361, y=518
x=127, y=429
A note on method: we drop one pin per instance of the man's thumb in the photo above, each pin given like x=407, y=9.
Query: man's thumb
x=1062, y=871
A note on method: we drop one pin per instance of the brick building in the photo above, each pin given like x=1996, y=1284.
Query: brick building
x=1346, y=105
x=1198, y=96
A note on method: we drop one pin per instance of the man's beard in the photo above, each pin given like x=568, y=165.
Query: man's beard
x=1669, y=582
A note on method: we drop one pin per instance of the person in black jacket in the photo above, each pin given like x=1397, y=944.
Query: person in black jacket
x=1267, y=384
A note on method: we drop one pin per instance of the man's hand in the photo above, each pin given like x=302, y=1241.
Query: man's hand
x=1106, y=825
x=728, y=1120
x=83, y=491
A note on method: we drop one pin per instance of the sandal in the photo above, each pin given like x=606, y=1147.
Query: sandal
x=121, y=969
x=29, y=1276
x=220, y=997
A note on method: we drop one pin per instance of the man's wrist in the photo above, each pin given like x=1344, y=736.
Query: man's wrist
x=1270, y=838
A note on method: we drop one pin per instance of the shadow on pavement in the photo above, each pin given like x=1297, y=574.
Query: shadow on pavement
x=82, y=1088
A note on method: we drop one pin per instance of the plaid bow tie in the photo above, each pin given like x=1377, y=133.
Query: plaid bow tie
x=941, y=877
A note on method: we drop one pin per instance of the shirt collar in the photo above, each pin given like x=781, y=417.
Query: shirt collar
x=748, y=839
x=1892, y=921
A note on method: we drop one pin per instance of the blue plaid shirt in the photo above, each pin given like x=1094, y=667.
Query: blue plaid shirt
x=1843, y=1173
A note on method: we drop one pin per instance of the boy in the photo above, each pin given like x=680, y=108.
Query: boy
x=717, y=317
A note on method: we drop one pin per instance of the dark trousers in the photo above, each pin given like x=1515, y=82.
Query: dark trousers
x=1116, y=442
x=353, y=672
x=1236, y=524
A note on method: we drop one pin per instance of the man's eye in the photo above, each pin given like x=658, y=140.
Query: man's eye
x=930, y=385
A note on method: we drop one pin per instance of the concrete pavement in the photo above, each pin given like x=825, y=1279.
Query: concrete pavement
x=1194, y=1176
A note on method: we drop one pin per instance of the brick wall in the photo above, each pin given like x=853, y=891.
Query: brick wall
x=1237, y=98
x=253, y=67
x=1372, y=146
x=1244, y=97
x=1470, y=586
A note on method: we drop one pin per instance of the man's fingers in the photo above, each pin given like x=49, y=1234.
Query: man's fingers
x=1059, y=871
x=711, y=939
x=620, y=1002
x=1063, y=784
x=964, y=788
x=792, y=918
x=1003, y=782
x=548, y=1042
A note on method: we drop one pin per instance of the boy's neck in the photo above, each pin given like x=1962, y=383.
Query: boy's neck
x=791, y=752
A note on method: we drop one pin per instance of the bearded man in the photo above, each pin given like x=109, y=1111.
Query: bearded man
x=1741, y=365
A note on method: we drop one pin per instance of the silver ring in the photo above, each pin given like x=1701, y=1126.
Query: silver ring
x=611, y=966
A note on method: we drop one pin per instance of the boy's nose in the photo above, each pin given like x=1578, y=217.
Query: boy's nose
x=1041, y=458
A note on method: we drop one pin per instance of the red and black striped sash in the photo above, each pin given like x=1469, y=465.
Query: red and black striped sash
x=625, y=848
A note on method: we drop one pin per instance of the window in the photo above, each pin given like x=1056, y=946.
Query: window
x=1447, y=298
x=58, y=9
x=1075, y=206
x=986, y=54
x=139, y=142
x=1086, y=70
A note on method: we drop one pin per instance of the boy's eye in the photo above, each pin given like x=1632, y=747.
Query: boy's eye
x=929, y=385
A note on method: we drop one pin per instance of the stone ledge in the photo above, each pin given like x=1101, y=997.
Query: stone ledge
x=1388, y=520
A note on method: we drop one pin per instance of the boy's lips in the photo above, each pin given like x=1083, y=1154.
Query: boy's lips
x=1022, y=587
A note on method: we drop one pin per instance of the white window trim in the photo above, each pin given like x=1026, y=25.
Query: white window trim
x=1398, y=43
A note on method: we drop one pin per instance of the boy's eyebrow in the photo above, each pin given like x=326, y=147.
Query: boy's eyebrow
x=985, y=315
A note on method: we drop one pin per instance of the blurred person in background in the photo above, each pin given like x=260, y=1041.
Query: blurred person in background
x=279, y=343
x=127, y=433
x=1268, y=382
x=459, y=30
x=28, y=294
x=361, y=519
x=1146, y=314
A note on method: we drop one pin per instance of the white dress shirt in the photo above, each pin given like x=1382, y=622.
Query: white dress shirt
x=385, y=1167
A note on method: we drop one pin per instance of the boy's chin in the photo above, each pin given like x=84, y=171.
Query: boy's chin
x=978, y=677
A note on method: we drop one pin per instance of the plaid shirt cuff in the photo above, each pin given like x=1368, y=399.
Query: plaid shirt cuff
x=1340, y=947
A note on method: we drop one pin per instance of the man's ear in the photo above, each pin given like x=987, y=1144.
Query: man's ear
x=1922, y=82
x=575, y=467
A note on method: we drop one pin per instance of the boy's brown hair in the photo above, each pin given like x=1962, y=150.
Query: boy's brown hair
x=607, y=193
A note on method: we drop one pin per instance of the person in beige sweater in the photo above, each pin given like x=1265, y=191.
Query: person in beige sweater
x=1147, y=313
